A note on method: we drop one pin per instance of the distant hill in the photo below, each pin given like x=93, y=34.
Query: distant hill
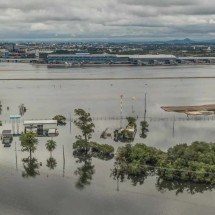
x=184, y=41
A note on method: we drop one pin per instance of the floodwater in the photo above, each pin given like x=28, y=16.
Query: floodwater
x=62, y=189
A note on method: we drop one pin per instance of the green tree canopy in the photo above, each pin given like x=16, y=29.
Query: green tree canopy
x=61, y=120
x=51, y=145
x=29, y=142
x=84, y=123
x=185, y=163
x=132, y=121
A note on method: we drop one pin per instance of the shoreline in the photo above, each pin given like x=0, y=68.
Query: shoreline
x=106, y=79
x=64, y=66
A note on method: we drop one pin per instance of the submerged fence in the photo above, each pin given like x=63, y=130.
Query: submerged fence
x=155, y=119
x=141, y=118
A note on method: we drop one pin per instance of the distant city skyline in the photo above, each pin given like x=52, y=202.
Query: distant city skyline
x=145, y=19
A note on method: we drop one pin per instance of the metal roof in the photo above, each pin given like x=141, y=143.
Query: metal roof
x=160, y=56
x=15, y=116
x=39, y=122
x=83, y=55
x=6, y=132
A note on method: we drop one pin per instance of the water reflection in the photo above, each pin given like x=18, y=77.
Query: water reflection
x=31, y=167
x=181, y=187
x=51, y=163
x=85, y=173
x=144, y=129
x=122, y=172
x=84, y=151
x=86, y=170
x=0, y=108
x=22, y=109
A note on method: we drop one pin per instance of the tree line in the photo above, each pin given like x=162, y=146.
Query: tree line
x=182, y=163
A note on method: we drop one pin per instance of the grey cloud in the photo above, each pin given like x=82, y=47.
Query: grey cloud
x=161, y=3
x=107, y=18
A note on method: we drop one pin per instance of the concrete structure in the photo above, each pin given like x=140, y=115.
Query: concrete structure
x=4, y=53
x=20, y=48
x=40, y=127
x=198, y=59
x=9, y=47
x=151, y=59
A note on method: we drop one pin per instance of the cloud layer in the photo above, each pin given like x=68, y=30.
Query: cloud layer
x=107, y=18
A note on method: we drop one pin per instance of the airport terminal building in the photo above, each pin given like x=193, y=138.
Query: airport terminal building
x=87, y=58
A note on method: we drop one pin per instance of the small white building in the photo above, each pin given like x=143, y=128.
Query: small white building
x=40, y=127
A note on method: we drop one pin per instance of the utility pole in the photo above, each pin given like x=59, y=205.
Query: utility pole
x=173, y=127
x=132, y=107
x=145, y=108
x=121, y=106
x=16, y=156
x=70, y=121
x=63, y=162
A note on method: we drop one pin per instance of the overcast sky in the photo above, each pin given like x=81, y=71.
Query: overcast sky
x=149, y=19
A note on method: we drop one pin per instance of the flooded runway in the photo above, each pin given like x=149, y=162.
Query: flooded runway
x=60, y=91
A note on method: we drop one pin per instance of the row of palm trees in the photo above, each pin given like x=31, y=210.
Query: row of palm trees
x=29, y=143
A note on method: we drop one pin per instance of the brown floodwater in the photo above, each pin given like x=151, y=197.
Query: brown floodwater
x=88, y=188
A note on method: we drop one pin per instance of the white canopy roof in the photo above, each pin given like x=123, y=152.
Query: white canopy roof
x=39, y=122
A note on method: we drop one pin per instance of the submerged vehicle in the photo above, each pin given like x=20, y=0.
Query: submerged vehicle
x=53, y=132
x=7, y=138
x=125, y=134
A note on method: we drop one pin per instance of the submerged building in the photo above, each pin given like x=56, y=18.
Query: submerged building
x=87, y=58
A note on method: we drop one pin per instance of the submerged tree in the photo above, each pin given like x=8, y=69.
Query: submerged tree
x=135, y=163
x=50, y=146
x=182, y=163
x=61, y=120
x=195, y=162
x=132, y=121
x=182, y=186
x=84, y=123
x=84, y=149
x=144, y=129
x=29, y=142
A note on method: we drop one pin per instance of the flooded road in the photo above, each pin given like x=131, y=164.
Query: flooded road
x=55, y=190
